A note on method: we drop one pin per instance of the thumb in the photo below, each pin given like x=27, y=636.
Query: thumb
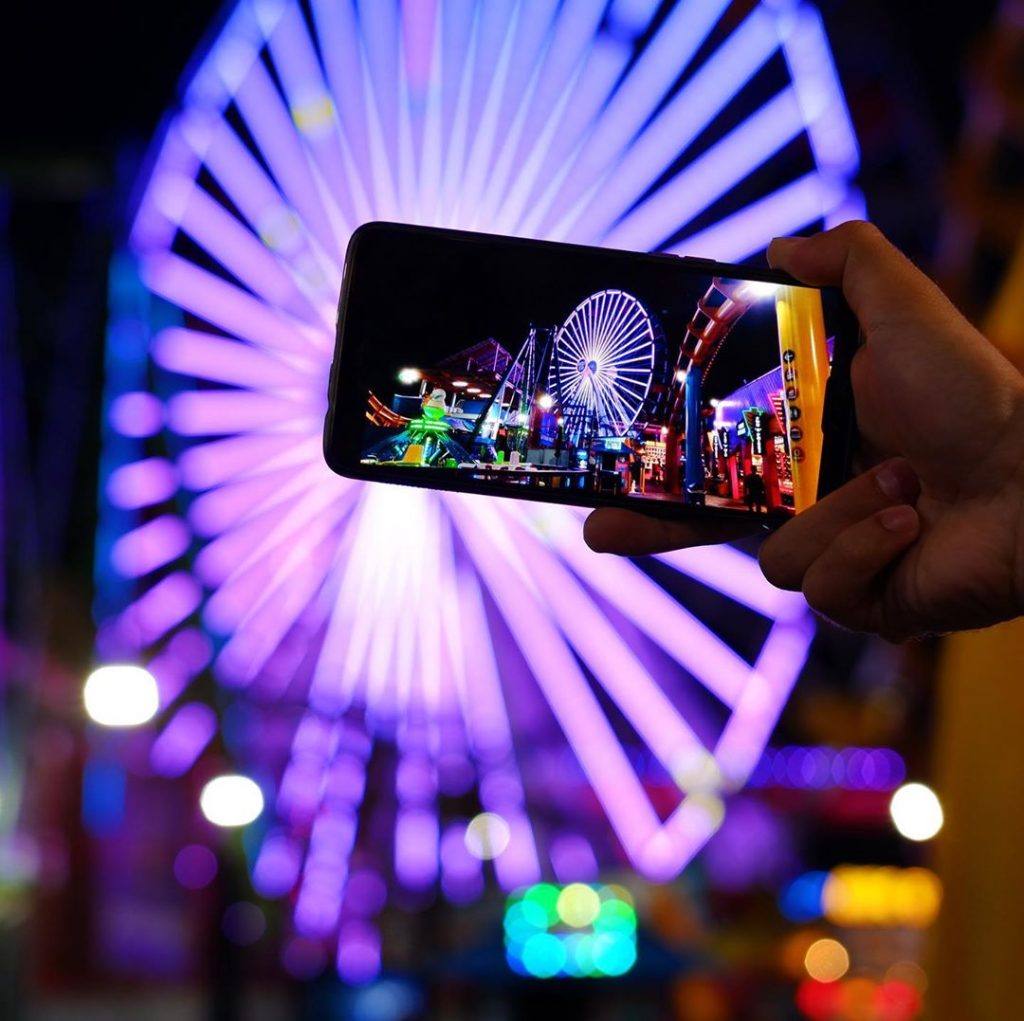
x=878, y=281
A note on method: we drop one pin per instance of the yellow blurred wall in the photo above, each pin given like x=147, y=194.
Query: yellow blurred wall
x=977, y=966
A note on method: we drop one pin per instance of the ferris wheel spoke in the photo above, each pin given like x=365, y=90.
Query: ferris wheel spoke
x=627, y=330
x=619, y=415
x=618, y=315
x=635, y=335
x=574, y=387
x=575, y=341
x=625, y=416
x=627, y=339
x=610, y=314
x=594, y=312
x=635, y=385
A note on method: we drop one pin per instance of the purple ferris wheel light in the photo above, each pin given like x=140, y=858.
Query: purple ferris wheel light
x=429, y=641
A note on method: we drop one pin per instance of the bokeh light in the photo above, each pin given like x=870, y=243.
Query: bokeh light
x=231, y=800
x=910, y=973
x=543, y=955
x=916, y=812
x=244, y=923
x=303, y=958
x=487, y=836
x=801, y=900
x=388, y=999
x=826, y=960
x=793, y=952
x=578, y=905
x=819, y=1001
x=824, y=768
x=575, y=931
x=195, y=866
x=863, y=895
x=121, y=695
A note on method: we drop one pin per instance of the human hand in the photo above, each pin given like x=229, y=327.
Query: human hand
x=931, y=536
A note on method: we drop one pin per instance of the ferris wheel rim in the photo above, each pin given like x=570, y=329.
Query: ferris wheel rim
x=607, y=346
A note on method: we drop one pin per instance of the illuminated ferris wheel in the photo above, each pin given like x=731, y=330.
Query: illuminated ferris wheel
x=603, y=364
x=409, y=631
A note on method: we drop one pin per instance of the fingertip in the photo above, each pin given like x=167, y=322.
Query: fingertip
x=779, y=249
x=595, y=532
x=900, y=520
x=773, y=562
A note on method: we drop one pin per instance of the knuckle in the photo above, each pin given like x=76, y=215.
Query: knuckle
x=861, y=233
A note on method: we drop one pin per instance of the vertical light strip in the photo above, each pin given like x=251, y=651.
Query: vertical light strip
x=567, y=693
x=341, y=53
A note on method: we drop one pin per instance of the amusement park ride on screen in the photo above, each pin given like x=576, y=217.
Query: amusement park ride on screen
x=588, y=376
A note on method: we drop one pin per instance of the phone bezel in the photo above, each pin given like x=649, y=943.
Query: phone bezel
x=342, y=433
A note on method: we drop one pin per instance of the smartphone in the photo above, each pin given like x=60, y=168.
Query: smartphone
x=587, y=376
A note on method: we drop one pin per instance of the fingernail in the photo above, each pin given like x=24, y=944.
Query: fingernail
x=898, y=481
x=779, y=247
x=898, y=519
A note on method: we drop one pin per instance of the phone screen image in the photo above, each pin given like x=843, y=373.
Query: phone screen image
x=583, y=373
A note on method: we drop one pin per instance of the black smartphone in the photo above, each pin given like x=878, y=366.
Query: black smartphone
x=587, y=376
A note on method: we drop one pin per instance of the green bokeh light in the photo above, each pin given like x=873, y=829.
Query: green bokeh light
x=541, y=944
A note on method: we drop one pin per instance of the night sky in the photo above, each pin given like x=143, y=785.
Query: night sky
x=417, y=299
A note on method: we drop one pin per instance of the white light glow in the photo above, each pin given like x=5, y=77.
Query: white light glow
x=409, y=376
x=459, y=383
x=121, y=695
x=681, y=376
x=231, y=800
x=472, y=389
x=754, y=290
x=487, y=835
x=545, y=401
x=916, y=812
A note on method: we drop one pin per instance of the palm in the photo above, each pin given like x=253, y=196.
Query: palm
x=929, y=388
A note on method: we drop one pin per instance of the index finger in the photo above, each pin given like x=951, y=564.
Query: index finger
x=787, y=555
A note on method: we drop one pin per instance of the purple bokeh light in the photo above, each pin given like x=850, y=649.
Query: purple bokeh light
x=136, y=414
x=195, y=866
x=183, y=739
x=142, y=484
x=358, y=957
x=823, y=768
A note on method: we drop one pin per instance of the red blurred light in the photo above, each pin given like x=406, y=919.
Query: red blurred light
x=897, y=1001
x=818, y=1001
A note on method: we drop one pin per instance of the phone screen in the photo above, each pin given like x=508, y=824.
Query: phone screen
x=587, y=375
